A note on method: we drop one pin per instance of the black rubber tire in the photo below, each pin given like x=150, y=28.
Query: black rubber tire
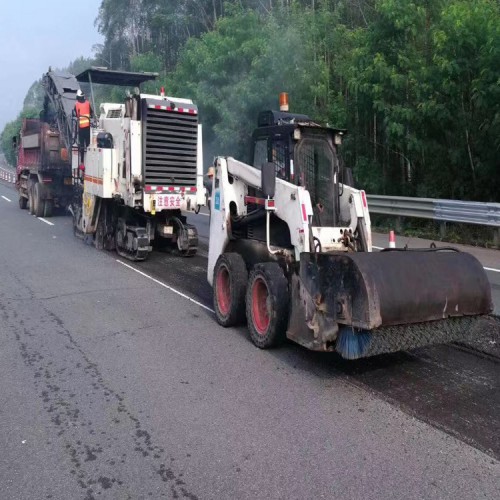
x=76, y=219
x=99, y=236
x=23, y=202
x=38, y=200
x=267, y=324
x=48, y=208
x=31, y=201
x=230, y=282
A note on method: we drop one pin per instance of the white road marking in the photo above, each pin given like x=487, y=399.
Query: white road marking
x=378, y=248
x=492, y=269
x=164, y=285
x=46, y=221
x=6, y=199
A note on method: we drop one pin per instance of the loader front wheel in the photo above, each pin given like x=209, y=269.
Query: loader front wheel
x=23, y=202
x=229, y=287
x=267, y=305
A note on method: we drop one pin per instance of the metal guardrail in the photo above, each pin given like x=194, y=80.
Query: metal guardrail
x=469, y=212
x=486, y=214
x=7, y=175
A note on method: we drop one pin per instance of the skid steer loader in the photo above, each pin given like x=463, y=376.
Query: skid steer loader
x=291, y=254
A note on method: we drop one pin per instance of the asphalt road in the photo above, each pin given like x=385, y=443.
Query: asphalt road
x=115, y=386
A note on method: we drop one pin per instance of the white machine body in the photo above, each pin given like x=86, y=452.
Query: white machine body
x=292, y=203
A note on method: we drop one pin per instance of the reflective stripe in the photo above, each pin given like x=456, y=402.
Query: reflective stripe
x=84, y=121
x=191, y=111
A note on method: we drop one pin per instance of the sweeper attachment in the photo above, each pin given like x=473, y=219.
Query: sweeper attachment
x=369, y=303
x=290, y=252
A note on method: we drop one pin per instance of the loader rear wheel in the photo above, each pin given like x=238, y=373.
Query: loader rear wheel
x=267, y=305
x=229, y=287
x=23, y=202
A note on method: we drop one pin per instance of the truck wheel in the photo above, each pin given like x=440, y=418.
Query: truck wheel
x=31, y=201
x=229, y=287
x=267, y=305
x=38, y=199
x=77, y=216
x=48, y=208
x=23, y=202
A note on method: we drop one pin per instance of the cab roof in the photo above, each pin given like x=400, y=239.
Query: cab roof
x=113, y=77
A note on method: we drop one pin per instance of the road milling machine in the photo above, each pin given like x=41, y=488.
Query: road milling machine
x=291, y=254
x=141, y=170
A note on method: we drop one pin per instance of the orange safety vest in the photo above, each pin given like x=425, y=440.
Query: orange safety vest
x=83, y=113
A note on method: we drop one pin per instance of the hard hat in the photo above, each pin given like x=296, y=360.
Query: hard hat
x=79, y=93
x=211, y=172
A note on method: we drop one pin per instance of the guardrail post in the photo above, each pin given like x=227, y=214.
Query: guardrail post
x=399, y=224
x=442, y=229
x=496, y=237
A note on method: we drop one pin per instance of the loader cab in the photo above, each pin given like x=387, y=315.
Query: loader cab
x=305, y=154
x=273, y=141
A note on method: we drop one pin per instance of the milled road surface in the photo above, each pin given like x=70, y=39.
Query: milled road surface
x=454, y=390
x=115, y=387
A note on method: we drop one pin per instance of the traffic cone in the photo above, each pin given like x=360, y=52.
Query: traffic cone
x=392, y=240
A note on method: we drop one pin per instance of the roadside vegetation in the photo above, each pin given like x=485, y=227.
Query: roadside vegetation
x=415, y=82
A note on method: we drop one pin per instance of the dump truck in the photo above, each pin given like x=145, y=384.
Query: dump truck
x=141, y=171
x=43, y=173
x=290, y=254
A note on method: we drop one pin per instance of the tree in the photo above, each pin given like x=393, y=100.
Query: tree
x=414, y=81
x=467, y=59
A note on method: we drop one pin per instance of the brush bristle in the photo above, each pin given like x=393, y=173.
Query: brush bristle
x=352, y=344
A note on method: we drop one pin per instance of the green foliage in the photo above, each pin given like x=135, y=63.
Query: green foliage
x=151, y=63
x=217, y=72
x=430, y=72
x=467, y=62
x=416, y=82
x=240, y=67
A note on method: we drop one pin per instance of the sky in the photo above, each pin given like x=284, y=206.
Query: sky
x=37, y=34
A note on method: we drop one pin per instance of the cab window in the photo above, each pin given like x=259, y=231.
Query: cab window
x=260, y=153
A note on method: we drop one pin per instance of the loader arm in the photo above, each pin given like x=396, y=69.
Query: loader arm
x=230, y=197
x=294, y=206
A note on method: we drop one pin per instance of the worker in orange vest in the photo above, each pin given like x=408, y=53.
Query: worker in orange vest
x=83, y=113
